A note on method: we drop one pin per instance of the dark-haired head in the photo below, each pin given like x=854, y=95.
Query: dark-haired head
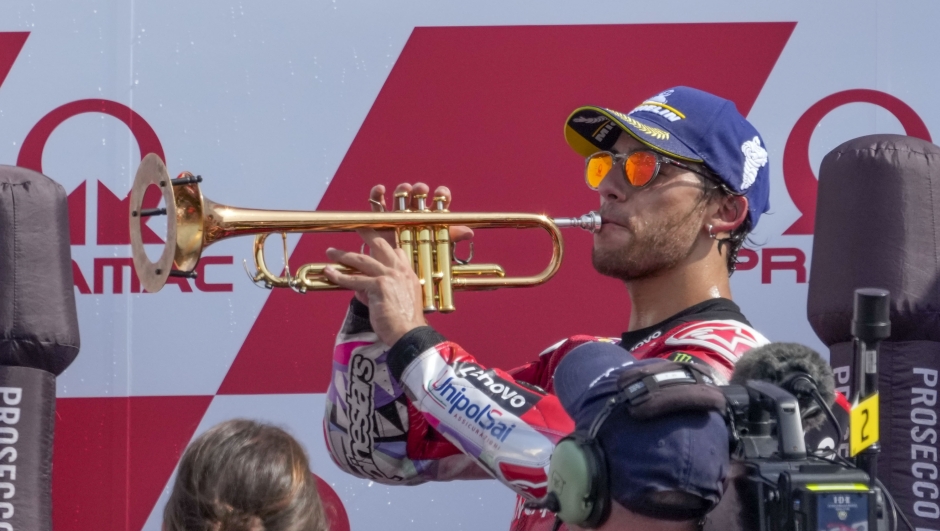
x=244, y=476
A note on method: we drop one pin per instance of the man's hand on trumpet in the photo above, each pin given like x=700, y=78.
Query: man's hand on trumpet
x=387, y=283
x=458, y=233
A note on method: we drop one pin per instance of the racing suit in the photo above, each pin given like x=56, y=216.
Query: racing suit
x=426, y=410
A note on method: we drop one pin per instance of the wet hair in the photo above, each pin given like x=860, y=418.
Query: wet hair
x=714, y=190
x=242, y=475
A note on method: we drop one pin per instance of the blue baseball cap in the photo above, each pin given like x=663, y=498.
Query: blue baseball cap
x=687, y=124
x=686, y=452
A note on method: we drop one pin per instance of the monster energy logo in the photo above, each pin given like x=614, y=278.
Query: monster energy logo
x=681, y=357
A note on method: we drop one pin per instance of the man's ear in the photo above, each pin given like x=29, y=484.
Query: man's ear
x=730, y=213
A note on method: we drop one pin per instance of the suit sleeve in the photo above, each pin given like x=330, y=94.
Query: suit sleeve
x=383, y=424
x=371, y=428
x=507, y=427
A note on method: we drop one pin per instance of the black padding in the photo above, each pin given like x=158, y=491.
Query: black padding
x=38, y=322
x=878, y=225
x=650, y=400
x=27, y=423
x=909, y=387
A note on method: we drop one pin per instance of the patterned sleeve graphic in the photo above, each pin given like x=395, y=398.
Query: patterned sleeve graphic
x=454, y=419
x=370, y=427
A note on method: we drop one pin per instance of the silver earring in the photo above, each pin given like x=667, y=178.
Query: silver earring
x=710, y=234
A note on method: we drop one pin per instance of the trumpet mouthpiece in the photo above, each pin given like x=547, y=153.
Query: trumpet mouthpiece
x=590, y=222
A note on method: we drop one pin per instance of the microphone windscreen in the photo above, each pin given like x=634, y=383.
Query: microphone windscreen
x=775, y=362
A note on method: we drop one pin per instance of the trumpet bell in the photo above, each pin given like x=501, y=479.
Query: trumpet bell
x=185, y=224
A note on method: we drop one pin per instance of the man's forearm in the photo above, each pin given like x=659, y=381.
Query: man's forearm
x=508, y=428
x=367, y=420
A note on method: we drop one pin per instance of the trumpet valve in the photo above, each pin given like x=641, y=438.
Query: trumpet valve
x=401, y=201
x=422, y=200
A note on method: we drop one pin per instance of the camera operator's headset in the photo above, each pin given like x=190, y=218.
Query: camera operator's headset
x=578, y=479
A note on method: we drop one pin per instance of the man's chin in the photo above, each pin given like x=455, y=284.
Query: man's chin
x=609, y=264
x=621, y=266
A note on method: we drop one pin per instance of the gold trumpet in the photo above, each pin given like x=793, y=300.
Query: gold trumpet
x=195, y=223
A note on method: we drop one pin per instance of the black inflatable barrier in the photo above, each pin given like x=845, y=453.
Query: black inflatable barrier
x=878, y=225
x=39, y=338
x=27, y=424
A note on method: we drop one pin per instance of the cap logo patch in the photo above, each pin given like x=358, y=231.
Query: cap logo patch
x=661, y=97
x=586, y=120
x=658, y=134
x=661, y=109
x=657, y=105
x=755, y=157
x=602, y=131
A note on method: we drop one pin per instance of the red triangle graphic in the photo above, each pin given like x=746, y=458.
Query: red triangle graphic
x=114, y=456
x=77, y=203
x=11, y=43
x=481, y=109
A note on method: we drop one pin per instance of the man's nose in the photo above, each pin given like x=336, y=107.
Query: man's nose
x=614, y=186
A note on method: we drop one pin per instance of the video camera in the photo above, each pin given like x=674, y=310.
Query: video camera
x=784, y=488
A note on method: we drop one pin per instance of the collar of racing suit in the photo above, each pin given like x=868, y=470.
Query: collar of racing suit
x=712, y=309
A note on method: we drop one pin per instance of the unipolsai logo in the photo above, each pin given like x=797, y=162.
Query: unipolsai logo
x=452, y=396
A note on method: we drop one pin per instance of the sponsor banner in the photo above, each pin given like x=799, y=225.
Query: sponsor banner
x=303, y=105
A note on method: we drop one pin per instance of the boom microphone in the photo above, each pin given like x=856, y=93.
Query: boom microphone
x=796, y=368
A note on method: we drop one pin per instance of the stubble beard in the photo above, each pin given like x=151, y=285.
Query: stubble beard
x=653, y=251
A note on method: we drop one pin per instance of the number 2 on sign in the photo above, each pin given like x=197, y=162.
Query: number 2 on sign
x=863, y=425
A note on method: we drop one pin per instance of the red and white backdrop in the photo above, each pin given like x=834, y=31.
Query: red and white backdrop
x=303, y=105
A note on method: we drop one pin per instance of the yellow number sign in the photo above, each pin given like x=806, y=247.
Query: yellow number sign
x=863, y=425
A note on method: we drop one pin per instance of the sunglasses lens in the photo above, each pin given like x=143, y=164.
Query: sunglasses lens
x=640, y=168
x=598, y=166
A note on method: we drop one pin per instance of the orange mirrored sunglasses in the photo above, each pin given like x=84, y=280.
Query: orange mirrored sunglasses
x=639, y=167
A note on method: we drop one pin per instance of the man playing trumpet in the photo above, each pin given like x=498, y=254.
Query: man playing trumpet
x=682, y=179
